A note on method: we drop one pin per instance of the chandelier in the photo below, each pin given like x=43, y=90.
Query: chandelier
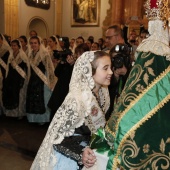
x=42, y=1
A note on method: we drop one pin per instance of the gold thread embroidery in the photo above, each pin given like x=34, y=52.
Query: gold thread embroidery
x=141, y=95
x=149, y=115
x=132, y=103
x=145, y=55
x=151, y=159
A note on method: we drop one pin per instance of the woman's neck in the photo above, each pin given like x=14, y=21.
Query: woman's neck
x=96, y=90
x=24, y=48
x=15, y=53
x=34, y=52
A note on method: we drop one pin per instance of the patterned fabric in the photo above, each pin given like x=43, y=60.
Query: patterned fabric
x=43, y=56
x=158, y=41
x=4, y=54
x=135, y=129
x=40, y=85
x=138, y=131
x=136, y=117
x=79, y=106
x=14, y=96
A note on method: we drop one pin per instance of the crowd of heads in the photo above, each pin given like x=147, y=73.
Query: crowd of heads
x=113, y=35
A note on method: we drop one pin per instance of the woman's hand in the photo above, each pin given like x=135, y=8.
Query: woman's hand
x=88, y=158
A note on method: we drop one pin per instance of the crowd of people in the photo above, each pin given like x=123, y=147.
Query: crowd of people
x=42, y=69
x=79, y=85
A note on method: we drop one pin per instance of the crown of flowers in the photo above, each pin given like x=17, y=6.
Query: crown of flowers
x=157, y=9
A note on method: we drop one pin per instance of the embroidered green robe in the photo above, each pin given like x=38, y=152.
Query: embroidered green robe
x=139, y=129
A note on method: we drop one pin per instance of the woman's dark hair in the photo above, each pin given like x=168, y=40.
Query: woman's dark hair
x=97, y=44
x=34, y=32
x=80, y=37
x=17, y=42
x=97, y=55
x=81, y=48
x=91, y=39
x=53, y=39
x=24, y=38
x=35, y=37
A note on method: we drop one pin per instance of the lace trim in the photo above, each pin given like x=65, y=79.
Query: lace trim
x=18, y=69
x=68, y=153
x=3, y=64
x=48, y=79
x=78, y=105
x=39, y=73
x=3, y=50
x=158, y=42
x=14, y=63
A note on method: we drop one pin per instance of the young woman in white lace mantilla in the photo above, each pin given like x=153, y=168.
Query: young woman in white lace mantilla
x=15, y=81
x=41, y=82
x=80, y=109
x=4, y=54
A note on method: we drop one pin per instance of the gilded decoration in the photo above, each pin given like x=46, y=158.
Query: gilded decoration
x=152, y=158
x=137, y=88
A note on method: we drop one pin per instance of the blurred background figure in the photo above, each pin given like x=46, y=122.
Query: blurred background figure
x=63, y=72
x=101, y=43
x=53, y=45
x=95, y=46
x=4, y=54
x=79, y=40
x=89, y=43
x=45, y=42
x=72, y=44
x=33, y=33
x=41, y=82
x=24, y=42
x=15, y=82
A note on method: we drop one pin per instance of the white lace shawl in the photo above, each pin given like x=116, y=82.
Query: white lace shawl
x=44, y=57
x=21, y=56
x=5, y=46
x=158, y=41
x=76, y=109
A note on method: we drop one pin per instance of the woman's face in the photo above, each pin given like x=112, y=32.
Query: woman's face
x=14, y=47
x=51, y=43
x=34, y=44
x=88, y=43
x=103, y=72
x=23, y=43
x=94, y=47
x=72, y=43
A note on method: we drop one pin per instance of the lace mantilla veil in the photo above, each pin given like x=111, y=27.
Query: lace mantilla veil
x=5, y=46
x=75, y=110
x=160, y=40
x=21, y=56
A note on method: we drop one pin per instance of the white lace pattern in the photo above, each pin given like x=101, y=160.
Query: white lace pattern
x=158, y=41
x=75, y=110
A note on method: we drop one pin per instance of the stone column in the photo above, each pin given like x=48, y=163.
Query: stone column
x=11, y=18
x=58, y=18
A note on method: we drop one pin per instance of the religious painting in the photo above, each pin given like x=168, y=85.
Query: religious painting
x=85, y=13
x=43, y=4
